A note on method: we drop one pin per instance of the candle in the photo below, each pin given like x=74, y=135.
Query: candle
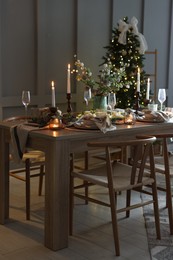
x=148, y=89
x=138, y=80
x=53, y=93
x=68, y=80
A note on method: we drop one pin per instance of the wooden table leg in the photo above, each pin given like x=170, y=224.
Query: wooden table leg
x=56, y=195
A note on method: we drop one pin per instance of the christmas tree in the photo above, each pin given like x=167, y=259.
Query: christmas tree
x=126, y=50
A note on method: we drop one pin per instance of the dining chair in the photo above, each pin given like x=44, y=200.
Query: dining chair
x=87, y=160
x=33, y=163
x=118, y=177
x=164, y=167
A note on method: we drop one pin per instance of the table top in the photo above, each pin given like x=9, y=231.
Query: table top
x=74, y=133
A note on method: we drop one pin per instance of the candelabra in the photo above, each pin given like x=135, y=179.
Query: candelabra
x=69, y=108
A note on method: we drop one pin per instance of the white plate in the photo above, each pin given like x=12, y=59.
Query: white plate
x=81, y=125
x=145, y=120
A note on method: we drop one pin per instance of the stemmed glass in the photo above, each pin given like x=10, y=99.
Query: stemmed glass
x=87, y=95
x=26, y=100
x=161, y=96
x=111, y=101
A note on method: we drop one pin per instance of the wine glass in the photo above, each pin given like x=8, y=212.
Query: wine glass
x=161, y=96
x=111, y=101
x=26, y=100
x=87, y=95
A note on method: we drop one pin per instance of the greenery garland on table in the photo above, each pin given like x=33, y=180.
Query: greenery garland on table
x=109, y=78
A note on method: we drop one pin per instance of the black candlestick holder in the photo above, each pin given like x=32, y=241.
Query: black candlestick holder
x=69, y=108
x=148, y=101
x=53, y=110
x=137, y=106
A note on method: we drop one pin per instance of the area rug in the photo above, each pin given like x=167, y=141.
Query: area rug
x=159, y=249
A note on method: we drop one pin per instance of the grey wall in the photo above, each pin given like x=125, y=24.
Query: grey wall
x=38, y=38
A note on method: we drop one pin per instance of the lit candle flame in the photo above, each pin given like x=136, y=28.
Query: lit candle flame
x=53, y=84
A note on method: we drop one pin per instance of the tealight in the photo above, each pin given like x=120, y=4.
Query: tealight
x=55, y=124
x=130, y=119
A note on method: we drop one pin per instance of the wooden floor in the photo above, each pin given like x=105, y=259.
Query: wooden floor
x=92, y=239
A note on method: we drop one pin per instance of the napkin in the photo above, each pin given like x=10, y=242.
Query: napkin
x=104, y=123
x=159, y=116
x=100, y=120
x=155, y=116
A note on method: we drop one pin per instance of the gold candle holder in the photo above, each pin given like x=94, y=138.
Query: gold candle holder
x=55, y=124
x=130, y=118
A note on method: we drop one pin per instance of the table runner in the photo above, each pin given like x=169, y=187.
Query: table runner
x=19, y=134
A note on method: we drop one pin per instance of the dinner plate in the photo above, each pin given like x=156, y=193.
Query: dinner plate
x=32, y=124
x=36, y=125
x=81, y=125
x=145, y=120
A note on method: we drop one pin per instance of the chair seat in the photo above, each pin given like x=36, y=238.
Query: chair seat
x=160, y=165
x=34, y=156
x=121, y=177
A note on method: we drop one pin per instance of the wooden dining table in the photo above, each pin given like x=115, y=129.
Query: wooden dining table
x=58, y=145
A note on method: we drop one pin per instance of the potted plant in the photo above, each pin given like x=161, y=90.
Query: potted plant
x=109, y=80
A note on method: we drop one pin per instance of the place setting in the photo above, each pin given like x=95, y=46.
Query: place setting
x=95, y=120
x=155, y=113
